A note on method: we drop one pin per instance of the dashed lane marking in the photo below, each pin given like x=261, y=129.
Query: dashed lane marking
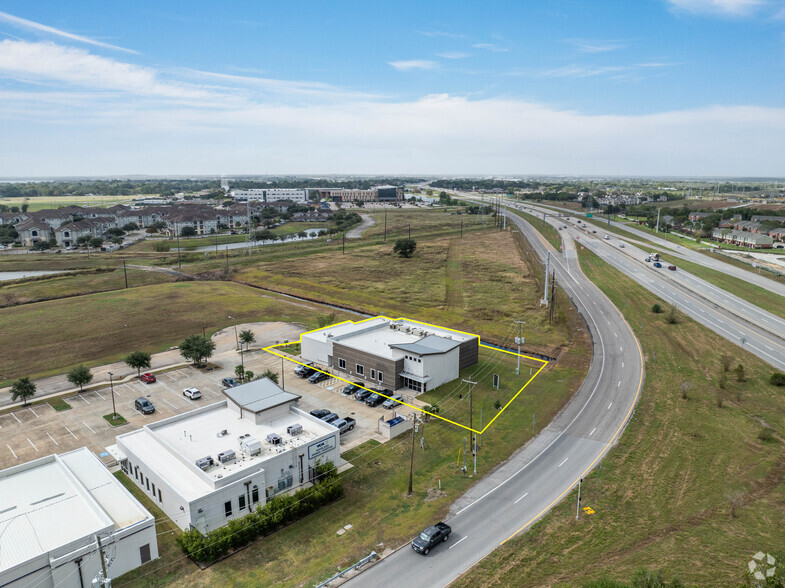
x=592, y=431
x=521, y=498
x=565, y=461
x=457, y=542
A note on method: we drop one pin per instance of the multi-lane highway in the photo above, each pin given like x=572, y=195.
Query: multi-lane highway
x=511, y=498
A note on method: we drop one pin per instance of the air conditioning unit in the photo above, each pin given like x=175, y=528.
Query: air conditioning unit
x=242, y=438
x=274, y=439
x=227, y=456
x=251, y=445
x=294, y=429
x=222, y=433
x=204, y=462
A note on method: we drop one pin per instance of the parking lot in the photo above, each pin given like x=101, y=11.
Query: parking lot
x=36, y=431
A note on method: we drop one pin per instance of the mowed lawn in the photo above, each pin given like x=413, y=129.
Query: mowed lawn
x=46, y=338
x=665, y=495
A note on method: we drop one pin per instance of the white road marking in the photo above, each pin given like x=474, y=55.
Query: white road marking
x=562, y=463
x=83, y=398
x=615, y=334
x=609, y=406
x=117, y=393
x=622, y=364
x=33, y=444
x=521, y=498
x=169, y=403
x=31, y=410
x=99, y=395
x=619, y=384
x=592, y=431
x=170, y=377
x=86, y=425
x=12, y=451
x=17, y=418
x=52, y=438
x=620, y=349
x=456, y=543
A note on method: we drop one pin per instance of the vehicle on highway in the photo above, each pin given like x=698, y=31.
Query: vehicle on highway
x=431, y=537
x=392, y=401
x=147, y=378
x=374, y=399
x=304, y=370
x=607, y=237
x=229, y=383
x=621, y=245
x=655, y=256
x=362, y=395
x=320, y=412
x=351, y=389
x=672, y=268
x=329, y=418
x=647, y=260
x=144, y=406
x=318, y=377
x=344, y=425
x=192, y=393
x=594, y=231
x=657, y=264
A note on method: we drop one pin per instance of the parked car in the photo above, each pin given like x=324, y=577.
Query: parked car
x=362, y=395
x=304, y=371
x=320, y=412
x=431, y=537
x=344, y=425
x=229, y=383
x=672, y=268
x=393, y=401
x=318, y=377
x=374, y=399
x=147, y=378
x=351, y=389
x=329, y=418
x=192, y=393
x=144, y=406
x=657, y=264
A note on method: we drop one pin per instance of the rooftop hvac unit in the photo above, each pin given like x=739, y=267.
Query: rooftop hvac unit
x=222, y=433
x=274, y=439
x=204, y=462
x=251, y=445
x=294, y=429
x=226, y=456
x=242, y=438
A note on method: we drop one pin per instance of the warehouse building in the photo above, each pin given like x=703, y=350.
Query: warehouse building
x=392, y=353
x=51, y=511
x=218, y=462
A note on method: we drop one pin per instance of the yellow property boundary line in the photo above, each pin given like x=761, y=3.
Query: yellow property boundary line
x=271, y=349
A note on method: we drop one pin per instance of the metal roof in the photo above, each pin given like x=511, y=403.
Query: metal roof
x=430, y=345
x=259, y=395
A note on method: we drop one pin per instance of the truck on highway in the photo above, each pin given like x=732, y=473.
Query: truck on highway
x=431, y=537
x=655, y=256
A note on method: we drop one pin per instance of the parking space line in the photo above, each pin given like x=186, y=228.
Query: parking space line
x=33, y=444
x=52, y=438
x=31, y=410
x=99, y=395
x=72, y=433
x=170, y=377
x=181, y=373
x=83, y=398
x=169, y=403
x=117, y=392
x=17, y=418
x=12, y=451
x=88, y=426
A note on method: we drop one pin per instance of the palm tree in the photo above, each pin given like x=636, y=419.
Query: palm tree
x=23, y=388
x=247, y=337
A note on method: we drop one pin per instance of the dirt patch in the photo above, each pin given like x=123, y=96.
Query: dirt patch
x=434, y=494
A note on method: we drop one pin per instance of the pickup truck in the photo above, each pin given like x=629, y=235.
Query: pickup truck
x=431, y=537
x=344, y=425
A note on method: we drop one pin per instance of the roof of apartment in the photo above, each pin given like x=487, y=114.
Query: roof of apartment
x=86, y=223
x=259, y=395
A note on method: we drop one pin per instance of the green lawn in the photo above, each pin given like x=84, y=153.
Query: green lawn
x=545, y=229
x=663, y=496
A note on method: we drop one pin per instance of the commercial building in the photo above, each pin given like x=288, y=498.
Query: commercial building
x=392, y=353
x=51, y=511
x=271, y=194
x=216, y=463
x=377, y=194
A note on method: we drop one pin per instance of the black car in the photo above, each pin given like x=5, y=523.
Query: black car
x=362, y=395
x=351, y=389
x=318, y=377
x=304, y=371
x=431, y=537
x=144, y=406
x=320, y=412
x=330, y=417
x=375, y=399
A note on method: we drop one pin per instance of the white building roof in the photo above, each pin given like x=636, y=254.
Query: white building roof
x=259, y=395
x=60, y=501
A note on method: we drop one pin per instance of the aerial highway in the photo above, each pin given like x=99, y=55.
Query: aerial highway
x=509, y=499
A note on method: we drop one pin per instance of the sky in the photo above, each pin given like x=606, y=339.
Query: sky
x=602, y=87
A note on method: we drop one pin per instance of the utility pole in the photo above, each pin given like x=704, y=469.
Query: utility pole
x=125, y=273
x=283, y=376
x=104, y=579
x=578, y=505
x=461, y=228
x=519, y=341
x=471, y=426
x=111, y=387
x=411, y=460
x=385, y=225
x=553, y=295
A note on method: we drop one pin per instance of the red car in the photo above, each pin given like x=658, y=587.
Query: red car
x=147, y=378
x=672, y=268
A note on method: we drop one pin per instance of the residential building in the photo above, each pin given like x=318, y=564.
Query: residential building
x=392, y=353
x=51, y=511
x=218, y=462
x=696, y=216
x=68, y=233
x=760, y=218
x=33, y=230
x=743, y=238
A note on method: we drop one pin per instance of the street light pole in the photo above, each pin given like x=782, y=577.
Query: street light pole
x=519, y=340
x=578, y=505
x=111, y=387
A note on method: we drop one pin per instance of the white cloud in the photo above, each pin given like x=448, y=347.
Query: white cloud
x=445, y=34
x=407, y=65
x=29, y=24
x=490, y=47
x=724, y=7
x=597, y=46
x=453, y=55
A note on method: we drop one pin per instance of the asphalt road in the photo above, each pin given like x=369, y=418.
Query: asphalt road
x=508, y=500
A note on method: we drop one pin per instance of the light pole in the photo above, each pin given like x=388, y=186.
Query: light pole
x=519, y=341
x=111, y=387
x=578, y=504
x=236, y=338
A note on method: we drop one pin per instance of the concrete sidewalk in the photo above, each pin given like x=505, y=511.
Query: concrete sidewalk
x=226, y=352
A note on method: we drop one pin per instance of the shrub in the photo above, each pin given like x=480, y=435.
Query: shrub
x=740, y=375
x=766, y=433
x=673, y=316
x=405, y=247
x=161, y=246
x=777, y=379
x=656, y=309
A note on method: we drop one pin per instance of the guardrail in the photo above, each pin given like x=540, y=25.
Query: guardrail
x=368, y=558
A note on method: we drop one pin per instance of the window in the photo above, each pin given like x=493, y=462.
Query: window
x=373, y=374
x=34, y=233
x=228, y=508
x=136, y=472
x=360, y=370
x=144, y=553
x=255, y=494
x=148, y=484
x=381, y=377
x=161, y=500
x=342, y=364
x=241, y=501
x=153, y=488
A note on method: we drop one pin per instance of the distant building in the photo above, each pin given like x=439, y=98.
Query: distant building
x=50, y=513
x=271, y=194
x=695, y=216
x=68, y=233
x=743, y=238
x=377, y=194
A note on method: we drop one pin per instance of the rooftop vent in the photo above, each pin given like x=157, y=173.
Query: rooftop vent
x=204, y=462
x=227, y=456
x=274, y=439
x=294, y=429
x=222, y=433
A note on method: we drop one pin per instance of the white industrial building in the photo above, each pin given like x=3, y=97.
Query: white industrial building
x=271, y=194
x=51, y=511
x=392, y=353
x=216, y=463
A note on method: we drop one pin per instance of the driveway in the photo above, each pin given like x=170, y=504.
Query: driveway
x=357, y=232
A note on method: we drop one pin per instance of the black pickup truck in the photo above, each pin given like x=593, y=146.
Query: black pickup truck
x=431, y=537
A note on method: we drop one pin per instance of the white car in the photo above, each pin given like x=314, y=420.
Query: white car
x=192, y=393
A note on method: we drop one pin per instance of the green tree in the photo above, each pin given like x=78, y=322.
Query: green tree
x=248, y=375
x=83, y=240
x=130, y=227
x=23, y=388
x=197, y=348
x=79, y=376
x=95, y=242
x=405, y=247
x=138, y=360
x=239, y=371
x=270, y=375
x=188, y=232
x=247, y=337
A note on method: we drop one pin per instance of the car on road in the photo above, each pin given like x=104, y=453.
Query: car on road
x=657, y=264
x=147, y=378
x=318, y=377
x=344, y=425
x=594, y=231
x=192, y=393
x=351, y=389
x=672, y=268
x=432, y=536
x=392, y=401
x=362, y=395
x=320, y=412
x=621, y=245
x=329, y=418
x=144, y=406
x=229, y=383
x=647, y=260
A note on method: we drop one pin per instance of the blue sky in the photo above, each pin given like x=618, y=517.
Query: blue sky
x=652, y=87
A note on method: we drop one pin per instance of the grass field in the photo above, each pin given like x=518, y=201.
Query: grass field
x=546, y=230
x=46, y=202
x=421, y=222
x=376, y=503
x=665, y=494
x=47, y=338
